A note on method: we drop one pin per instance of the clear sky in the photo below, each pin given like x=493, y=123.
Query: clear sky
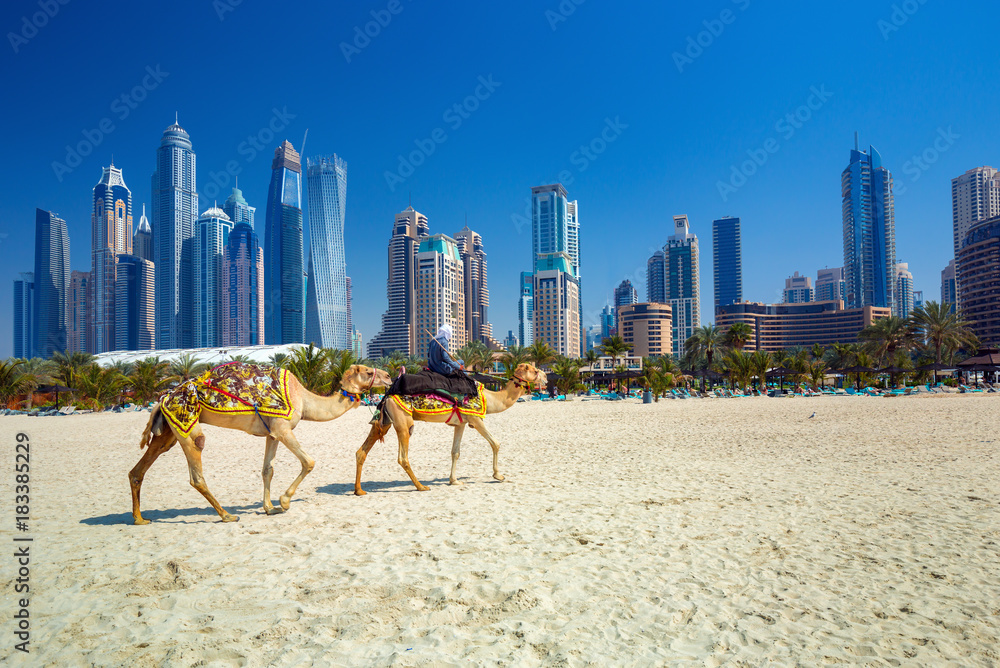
x=915, y=78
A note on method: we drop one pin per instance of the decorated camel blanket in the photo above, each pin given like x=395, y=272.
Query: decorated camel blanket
x=431, y=404
x=233, y=388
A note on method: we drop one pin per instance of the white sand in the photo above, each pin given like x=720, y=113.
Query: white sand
x=701, y=532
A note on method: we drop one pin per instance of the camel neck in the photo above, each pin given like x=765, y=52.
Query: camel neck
x=318, y=408
x=498, y=402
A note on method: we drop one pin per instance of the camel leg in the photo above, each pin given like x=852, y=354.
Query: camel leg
x=403, y=434
x=377, y=432
x=193, y=454
x=156, y=447
x=480, y=426
x=283, y=433
x=456, y=449
x=270, y=450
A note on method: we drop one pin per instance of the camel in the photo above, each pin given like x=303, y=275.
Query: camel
x=161, y=434
x=525, y=375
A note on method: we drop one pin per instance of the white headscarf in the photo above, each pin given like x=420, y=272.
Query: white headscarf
x=445, y=331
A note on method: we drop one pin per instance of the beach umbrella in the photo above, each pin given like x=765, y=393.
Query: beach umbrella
x=857, y=369
x=46, y=389
x=893, y=370
x=935, y=367
x=989, y=356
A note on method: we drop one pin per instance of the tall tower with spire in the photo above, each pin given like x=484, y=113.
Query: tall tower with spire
x=111, y=235
x=398, y=324
x=236, y=206
x=284, y=278
x=142, y=240
x=175, y=212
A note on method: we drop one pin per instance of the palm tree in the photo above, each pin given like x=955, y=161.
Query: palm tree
x=512, y=357
x=568, y=372
x=69, y=365
x=938, y=328
x=278, y=360
x=740, y=367
x=340, y=361
x=817, y=351
x=240, y=358
x=541, y=353
x=840, y=355
x=615, y=347
x=149, y=378
x=761, y=362
x=817, y=372
x=739, y=334
x=12, y=381
x=311, y=366
x=186, y=367
x=884, y=336
x=35, y=371
x=477, y=356
x=100, y=385
x=705, y=341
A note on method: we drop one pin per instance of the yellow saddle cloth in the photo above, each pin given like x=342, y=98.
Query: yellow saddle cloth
x=234, y=388
x=429, y=404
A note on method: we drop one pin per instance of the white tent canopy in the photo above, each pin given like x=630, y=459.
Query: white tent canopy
x=211, y=356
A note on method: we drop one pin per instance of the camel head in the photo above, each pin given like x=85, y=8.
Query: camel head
x=360, y=378
x=529, y=374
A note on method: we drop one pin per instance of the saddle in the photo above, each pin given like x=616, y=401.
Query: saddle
x=431, y=393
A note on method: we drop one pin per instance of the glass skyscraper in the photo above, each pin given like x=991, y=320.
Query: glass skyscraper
x=656, y=279
x=237, y=209
x=555, y=228
x=398, y=322
x=111, y=236
x=284, y=279
x=869, y=230
x=327, y=321
x=243, y=280
x=683, y=289
x=24, y=305
x=135, y=325
x=142, y=240
x=51, y=319
x=727, y=261
x=175, y=212
x=210, y=241
x=525, y=310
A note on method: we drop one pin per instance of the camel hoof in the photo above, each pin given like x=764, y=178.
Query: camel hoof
x=497, y=476
x=230, y=518
x=285, y=501
x=359, y=492
x=422, y=488
x=455, y=482
x=274, y=511
x=139, y=521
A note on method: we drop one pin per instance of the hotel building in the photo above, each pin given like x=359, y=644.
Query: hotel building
x=646, y=328
x=439, y=292
x=557, y=304
x=683, y=290
x=978, y=277
x=785, y=326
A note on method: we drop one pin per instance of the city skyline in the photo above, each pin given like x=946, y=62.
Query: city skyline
x=633, y=162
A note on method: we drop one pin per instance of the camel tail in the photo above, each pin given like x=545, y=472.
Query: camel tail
x=154, y=427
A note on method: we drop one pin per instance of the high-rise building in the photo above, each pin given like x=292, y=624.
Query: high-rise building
x=510, y=341
x=798, y=290
x=555, y=228
x=78, y=312
x=210, y=240
x=646, y=328
x=656, y=284
x=903, y=305
x=356, y=344
x=111, y=235
x=525, y=309
x=175, y=212
x=135, y=322
x=142, y=240
x=24, y=302
x=439, y=292
x=557, y=304
x=477, y=293
x=237, y=209
x=51, y=320
x=607, y=321
x=975, y=196
x=284, y=278
x=727, y=261
x=625, y=295
x=918, y=299
x=326, y=303
x=869, y=230
x=830, y=285
x=949, y=288
x=977, y=268
x=243, y=281
x=397, y=324
x=786, y=326
x=683, y=291
x=350, y=301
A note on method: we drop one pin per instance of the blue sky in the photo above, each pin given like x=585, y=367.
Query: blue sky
x=914, y=78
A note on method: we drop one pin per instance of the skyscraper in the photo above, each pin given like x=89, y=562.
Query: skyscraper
x=350, y=301
x=243, y=295
x=51, y=320
x=949, y=287
x=439, y=292
x=78, y=312
x=869, y=230
x=326, y=304
x=904, y=291
x=555, y=228
x=397, y=324
x=557, y=304
x=683, y=288
x=477, y=293
x=656, y=284
x=24, y=298
x=625, y=295
x=111, y=235
x=525, y=309
x=727, y=261
x=210, y=240
x=142, y=240
x=975, y=196
x=237, y=209
x=830, y=284
x=135, y=324
x=977, y=267
x=607, y=321
x=798, y=290
x=284, y=280
x=175, y=211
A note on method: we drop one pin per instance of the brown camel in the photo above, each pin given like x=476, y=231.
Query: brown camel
x=525, y=375
x=160, y=434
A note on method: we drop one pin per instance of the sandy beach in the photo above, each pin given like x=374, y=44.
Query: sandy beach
x=695, y=532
